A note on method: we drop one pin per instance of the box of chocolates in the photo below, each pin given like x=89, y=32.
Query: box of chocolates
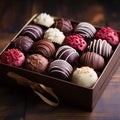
x=73, y=58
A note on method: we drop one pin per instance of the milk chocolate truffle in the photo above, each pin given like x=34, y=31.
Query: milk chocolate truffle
x=64, y=25
x=85, y=29
x=33, y=31
x=54, y=35
x=92, y=60
x=36, y=62
x=44, y=47
x=13, y=57
x=22, y=43
x=84, y=76
x=44, y=19
x=60, y=69
x=67, y=53
x=101, y=47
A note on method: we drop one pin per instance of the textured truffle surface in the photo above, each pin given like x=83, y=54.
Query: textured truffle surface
x=13, y=57
x=44, y=19
x=76, y=41
x=108, y=34
x=54, y=35
x=36, y=62
x=84, y=76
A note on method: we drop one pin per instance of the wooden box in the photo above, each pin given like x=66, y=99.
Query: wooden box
x=67, y=92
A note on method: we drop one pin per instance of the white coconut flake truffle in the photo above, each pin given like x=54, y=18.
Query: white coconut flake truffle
x=44, y=19
x=54, y=35
x=84, y=76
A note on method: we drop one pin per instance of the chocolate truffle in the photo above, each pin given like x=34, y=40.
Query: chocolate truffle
x=108, y=34
x=76, y=41
x=84, y=76
x=54, y=35
x=92, y=60
x=85, y=29
x=36, y=62
x=13, y=57
x=60, y=69
x=100, y=47
x=64, y=25
x=33, y=31
x=22, y=43
x=44, y=20
x=67, y=53
x=44, y=47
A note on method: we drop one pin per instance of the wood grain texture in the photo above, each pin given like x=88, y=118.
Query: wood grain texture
x=18, y=103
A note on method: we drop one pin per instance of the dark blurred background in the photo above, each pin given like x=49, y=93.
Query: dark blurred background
x=15, y=13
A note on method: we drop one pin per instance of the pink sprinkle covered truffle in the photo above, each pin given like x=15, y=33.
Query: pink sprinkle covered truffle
x=13, y=57
x=77, y=42
x=110, y=35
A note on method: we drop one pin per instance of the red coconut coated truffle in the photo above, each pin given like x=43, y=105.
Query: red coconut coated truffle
x=77, y=42
x=110, y=35
x=13, y=57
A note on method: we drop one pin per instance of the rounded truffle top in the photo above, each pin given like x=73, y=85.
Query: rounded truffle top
x=54, y=35
x=13, y=57
x=92, y=60
x=33, y=31
x=44, y=19
x=44, y=47
x=23, y=43
x=84, y=76
x=36, y=62
x=64, y=25
x=108, y=34
x=76, y=41
x=85, y=29
x=60, y=68
x=67, y=53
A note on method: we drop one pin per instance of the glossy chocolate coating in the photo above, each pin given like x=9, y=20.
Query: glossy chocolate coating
x=44, y=47
x=23, y=43
x=92, y=60
x=33, y=31
x=67, y=53
x=64, y=25
x=60, y=69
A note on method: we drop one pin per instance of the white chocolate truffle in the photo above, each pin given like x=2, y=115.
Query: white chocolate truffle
x=54, y=35
x=44, y=19
x=84, y=76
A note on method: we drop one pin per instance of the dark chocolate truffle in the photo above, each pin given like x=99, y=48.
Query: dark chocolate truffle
x=60, y=69
x=64, y=25
x=44, y=47
x=85, y=29
x=92, y=60
x=36, y=62
x=67, y=53
x=22, y=43
x=33, y=31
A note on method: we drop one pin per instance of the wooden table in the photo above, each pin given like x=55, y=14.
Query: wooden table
x=19, y=103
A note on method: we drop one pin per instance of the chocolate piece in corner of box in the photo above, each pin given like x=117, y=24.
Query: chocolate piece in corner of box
x=74, y=58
